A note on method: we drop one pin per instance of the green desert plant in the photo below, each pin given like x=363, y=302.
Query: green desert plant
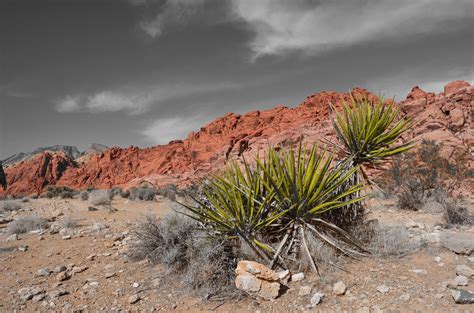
x=369, y=130
x=279, y=197
x=237, y=204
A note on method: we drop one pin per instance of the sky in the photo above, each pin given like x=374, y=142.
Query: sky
x=144, y=72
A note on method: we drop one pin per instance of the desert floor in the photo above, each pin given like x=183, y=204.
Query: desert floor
x=106, y=280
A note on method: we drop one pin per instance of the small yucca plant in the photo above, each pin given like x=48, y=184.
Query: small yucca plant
x=369, y=130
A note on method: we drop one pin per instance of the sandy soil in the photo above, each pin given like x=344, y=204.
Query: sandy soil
x=108, y=279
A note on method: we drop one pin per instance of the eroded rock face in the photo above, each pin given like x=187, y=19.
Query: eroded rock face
x=446, y=117
x=257, y=279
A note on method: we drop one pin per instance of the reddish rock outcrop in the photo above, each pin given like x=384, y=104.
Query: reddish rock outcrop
x=446, y=117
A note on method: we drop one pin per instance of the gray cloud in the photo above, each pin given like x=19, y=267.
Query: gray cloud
x=136, y=101
x=284, y=26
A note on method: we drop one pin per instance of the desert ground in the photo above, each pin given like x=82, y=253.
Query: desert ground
x=85, y=267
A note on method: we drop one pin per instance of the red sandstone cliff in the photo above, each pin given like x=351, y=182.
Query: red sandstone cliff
x=446, y=117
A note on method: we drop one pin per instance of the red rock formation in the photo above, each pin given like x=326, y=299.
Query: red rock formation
x=446, y=117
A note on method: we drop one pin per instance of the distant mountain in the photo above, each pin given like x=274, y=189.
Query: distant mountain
x=95, y=148
x=70, y=151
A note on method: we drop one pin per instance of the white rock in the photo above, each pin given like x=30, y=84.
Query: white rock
x=461, y=280
x=404, y=297
x=13, y=237
x=464, y=270
x=297, y=277
x=316, y=298
x=383, y=289
x=136, y=285
x=437, y=259
x=339, y=288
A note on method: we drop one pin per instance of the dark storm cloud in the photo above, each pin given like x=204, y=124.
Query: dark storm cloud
x=146, y=71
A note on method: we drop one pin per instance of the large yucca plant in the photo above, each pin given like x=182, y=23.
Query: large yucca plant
x=307, y=184
x=237, y=205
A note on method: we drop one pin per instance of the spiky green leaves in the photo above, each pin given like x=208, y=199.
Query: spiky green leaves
x=369, y=130
x=307, y=183
x=285, y=188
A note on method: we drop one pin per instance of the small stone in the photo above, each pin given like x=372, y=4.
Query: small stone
x=13, y=237
x=109, y=275
x=437, y=259
x=419, y=271
x=94, y=284
x=91, y=208
x=462, y=296
x=23, y=248
x=439, y=296
x=91, y=257
x=59, y=269
x=43, y=272
x=39, y=297
x=305, y=290
x=404, y=297
x=135, y=285
x=316, y=298
x=297, y=277
x=57, y=293
x=461, y=280
x=66, y=237
x=383, y=289
x=284, y=276
x=451, y=284
x=133, y=299
x=62, y=276
x=78, y=269
x=464, y=270
x=339, y=288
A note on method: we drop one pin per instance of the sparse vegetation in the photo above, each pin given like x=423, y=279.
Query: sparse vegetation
x=59, y=191
x=100, y=197
x=9, y=205
x=207, y=266
x=68, y=221
x=125, y=194
x=84, y=196
x=391, y=241
x=26, y=224
x=142, y=193
x=420, y=179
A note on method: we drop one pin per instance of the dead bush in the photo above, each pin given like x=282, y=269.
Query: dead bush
x=100, y=197
x=207, y=266
x=125, y=194
x=385, y=240
x=10, y=205
x=84, y=196
x=145, y=194
x=68, y=221
x=456, y=214
x=415, y=178
x=26, y=224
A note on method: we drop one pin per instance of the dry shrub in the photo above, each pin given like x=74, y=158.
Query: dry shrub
x=9, y=205
x=68, y=221
x=145, y=194
x=100, y=197
x=207, y=266
x=84, y=196
x=385, y=240
x=26, y=224
x=125, y=194
x=456, y=214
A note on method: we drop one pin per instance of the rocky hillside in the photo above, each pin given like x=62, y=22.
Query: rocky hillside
x=446, y=117
x=71, y=151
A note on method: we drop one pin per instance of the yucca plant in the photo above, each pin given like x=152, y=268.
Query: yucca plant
x=306, y=185
x=237, y=205
x=370, y=129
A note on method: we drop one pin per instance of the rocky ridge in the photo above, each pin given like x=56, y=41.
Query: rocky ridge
x=446, y=117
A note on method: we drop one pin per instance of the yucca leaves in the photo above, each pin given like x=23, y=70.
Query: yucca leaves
x=306, y=182
x=369, y=130
x=237, y=204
